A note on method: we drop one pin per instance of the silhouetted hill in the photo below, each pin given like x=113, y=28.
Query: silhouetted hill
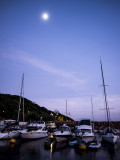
x=9, y=105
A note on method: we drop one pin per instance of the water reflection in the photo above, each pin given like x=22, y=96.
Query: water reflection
x=4, y=144
x=60, y=146
x=8, y=148
x=31, y=148
x=56, y=147
x=51, y=150
x=110, y=150
x=34, y=150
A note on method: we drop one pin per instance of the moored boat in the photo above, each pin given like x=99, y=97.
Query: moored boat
x=109, y=137
x=63, y=133
x=85, y=130
x=34, y=131
x=109, y=134
x=9, y=134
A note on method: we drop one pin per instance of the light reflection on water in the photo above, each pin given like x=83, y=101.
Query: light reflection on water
x=34, y=150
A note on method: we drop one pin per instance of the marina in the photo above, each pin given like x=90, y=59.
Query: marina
x=62, y=143
x=84, y=139
x=34, y=149
x=60, y=91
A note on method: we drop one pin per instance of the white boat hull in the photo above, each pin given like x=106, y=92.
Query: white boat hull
x=88, y=138
x=34, y=135
x=62, y=136
x=8, y=135
x=111, y=138
x=85, y=132
x=63, y=133
x=61, y=139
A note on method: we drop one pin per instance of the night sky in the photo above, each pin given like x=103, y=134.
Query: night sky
x=59, y=54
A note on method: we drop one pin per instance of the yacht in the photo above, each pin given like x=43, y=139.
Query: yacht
x=63, y=133
x=34, y=131
x=85, y=131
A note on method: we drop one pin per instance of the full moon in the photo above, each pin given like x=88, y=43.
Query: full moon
x=45, y=16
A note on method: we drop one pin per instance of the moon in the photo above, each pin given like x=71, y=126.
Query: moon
x=45, y=16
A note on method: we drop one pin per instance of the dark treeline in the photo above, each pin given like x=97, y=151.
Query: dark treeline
x=9, y=105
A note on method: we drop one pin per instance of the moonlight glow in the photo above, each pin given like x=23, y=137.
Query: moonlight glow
x=45, y=16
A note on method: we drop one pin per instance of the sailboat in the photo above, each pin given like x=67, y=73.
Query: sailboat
x=109, y=134
x=7, y=133
x=33, y=130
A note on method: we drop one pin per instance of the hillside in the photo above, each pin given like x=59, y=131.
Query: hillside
x=9, y=105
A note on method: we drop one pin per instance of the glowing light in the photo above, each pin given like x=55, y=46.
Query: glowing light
x=51, y=136
x=51, y=147
x=45, y=16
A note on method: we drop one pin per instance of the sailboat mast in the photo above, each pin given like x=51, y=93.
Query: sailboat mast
x=106, y=104
x=66, y=109
x=23, y=96
x=20, y=99
x=92, y=109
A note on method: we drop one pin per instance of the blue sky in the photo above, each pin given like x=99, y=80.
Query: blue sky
x=60, y=57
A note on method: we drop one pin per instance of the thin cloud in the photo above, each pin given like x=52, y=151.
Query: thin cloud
x=69, y=78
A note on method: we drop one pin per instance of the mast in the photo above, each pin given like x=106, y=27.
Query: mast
x=21, y=93
x=66, y=109
x=23, y=97
x=92, y=109
x=105, y=96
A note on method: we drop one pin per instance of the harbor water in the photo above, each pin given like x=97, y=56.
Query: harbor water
x=35, y=150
